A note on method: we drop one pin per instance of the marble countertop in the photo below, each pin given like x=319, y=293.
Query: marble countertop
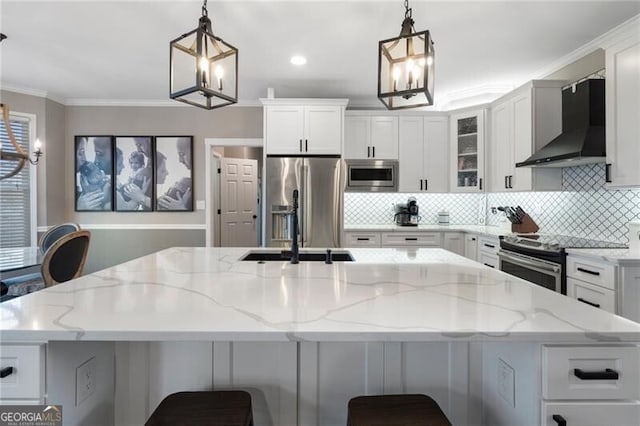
x=476, y=229
x=622, y=256
x=385, y=295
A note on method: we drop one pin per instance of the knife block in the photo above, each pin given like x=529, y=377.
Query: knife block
x=528, y=226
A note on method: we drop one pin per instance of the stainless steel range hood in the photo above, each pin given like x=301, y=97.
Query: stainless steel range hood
x=582, y=140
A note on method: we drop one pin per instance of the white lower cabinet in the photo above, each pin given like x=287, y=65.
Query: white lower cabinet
x=411, y=239
x=488, y=251
x=24, y=366
x=592, y=295
x=591, y=413
x=454, y=242
x=362, y=239
x=471, y=246
x=593, y=282
x=591, y=385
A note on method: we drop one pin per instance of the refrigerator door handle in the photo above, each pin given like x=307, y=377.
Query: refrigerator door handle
x=305, y=204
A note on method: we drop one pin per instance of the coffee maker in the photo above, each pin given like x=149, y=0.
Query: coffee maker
x=406, y=214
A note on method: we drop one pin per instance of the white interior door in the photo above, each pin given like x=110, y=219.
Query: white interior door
x=238, y=202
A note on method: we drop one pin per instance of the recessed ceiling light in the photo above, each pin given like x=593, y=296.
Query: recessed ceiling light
x=298, y=60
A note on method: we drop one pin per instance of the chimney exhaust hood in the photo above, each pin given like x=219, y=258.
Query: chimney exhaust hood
x=582, y=140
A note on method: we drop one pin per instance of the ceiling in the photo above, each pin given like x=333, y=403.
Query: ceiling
x=84, y=52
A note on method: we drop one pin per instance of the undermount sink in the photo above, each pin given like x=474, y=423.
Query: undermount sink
x=305, y=256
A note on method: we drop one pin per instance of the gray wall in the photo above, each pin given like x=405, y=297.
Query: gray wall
x=230, y=122
x=114, y=241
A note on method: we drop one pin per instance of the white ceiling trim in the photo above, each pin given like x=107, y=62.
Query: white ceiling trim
x=32, y=92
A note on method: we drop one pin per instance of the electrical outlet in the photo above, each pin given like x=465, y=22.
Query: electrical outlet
x=85, y=380
x=506, y=382
x=199, y=204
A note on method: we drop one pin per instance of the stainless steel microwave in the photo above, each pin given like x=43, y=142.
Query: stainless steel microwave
x=372, y=175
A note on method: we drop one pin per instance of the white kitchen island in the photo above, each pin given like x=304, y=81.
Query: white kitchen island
x=303, y=339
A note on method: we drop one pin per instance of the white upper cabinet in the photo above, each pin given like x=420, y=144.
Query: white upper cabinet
x=467, y=151
x=622, y=96
x=520, y=123
x=423, y=154
x=371, y=137
x=305, y=127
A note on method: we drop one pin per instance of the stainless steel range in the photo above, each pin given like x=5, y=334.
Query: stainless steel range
x=541, y=259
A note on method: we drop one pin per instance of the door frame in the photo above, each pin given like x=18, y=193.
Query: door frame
x=212, y=180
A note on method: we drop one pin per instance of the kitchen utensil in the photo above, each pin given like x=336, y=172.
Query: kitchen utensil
x=520, y=213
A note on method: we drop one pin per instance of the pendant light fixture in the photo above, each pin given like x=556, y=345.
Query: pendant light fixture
x=203, y=68
x=405, y=67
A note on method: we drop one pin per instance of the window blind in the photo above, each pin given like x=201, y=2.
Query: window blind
x=15, y=192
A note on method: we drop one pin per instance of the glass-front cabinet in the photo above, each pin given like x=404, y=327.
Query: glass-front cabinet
x=467, y=152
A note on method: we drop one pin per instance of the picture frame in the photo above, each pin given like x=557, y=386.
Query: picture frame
x=133, y=173
x=93, y=173
x=173, y=174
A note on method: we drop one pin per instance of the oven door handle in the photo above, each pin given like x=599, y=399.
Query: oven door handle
x=532, y=264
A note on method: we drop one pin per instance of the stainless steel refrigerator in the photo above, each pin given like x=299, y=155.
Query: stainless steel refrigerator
x=320, y=182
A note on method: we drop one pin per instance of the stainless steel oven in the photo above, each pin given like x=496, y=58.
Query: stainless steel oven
x=372, y=175
x=542, y=272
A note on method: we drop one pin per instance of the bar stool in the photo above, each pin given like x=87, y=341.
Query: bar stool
x=212, y=408
x=396, y=410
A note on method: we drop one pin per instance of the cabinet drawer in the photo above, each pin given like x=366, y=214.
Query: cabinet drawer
x=488, y=244
x=598, y=273
x=490, y=260
x=362, y=239
x=593, y=295
x=561, y=382
x=26, y=381
x=591, y=414
x=412, y=239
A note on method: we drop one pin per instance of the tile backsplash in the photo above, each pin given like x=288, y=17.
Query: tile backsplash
x=585, y=208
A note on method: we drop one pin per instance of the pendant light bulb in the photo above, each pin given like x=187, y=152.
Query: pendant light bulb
x=429, y=60
x=219, y=72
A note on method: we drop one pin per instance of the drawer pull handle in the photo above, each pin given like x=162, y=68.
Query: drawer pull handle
x=411, y=239
x=489, y=245
x=580, y=299
x=607, y=374
x=363, y=239
x=490, y=266
x=586, y=271
x=7, y=371
x=560, y=421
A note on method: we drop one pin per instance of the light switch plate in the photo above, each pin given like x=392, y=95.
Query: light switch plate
x=199, y=204
x=506, y=382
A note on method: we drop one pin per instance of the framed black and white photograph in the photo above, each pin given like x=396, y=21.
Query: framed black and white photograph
x=94, y=173
x=133, y=173
x=174, y=173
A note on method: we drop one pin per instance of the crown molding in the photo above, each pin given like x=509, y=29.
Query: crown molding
x=303, y=101
x=32, y=92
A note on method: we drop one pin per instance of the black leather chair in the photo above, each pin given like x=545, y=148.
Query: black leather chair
x=64, y=260
x=55, y=233
x=205, y=408
x=396, y=410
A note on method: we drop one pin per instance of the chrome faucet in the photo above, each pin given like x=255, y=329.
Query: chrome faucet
x=295, y=258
